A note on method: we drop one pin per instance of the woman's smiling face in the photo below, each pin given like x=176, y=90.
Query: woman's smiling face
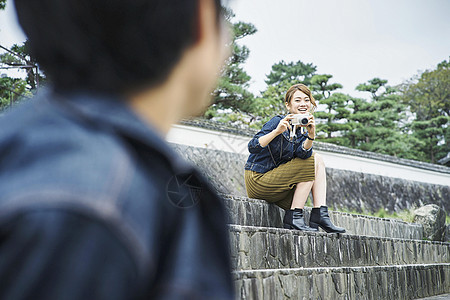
x=300, y=103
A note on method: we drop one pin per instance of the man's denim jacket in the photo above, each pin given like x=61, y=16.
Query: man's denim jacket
x=279, y=151
x=94, y=204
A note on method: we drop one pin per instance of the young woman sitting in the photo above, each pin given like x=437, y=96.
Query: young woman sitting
x=282, y=167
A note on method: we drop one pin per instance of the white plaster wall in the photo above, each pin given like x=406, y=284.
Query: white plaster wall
x=200, y=137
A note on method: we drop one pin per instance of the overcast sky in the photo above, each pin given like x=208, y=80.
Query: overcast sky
x=354, y=40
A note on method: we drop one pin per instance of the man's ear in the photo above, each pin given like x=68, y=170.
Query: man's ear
x=207, y=23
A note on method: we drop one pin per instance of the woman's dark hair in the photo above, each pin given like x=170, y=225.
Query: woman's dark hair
x=111, y=46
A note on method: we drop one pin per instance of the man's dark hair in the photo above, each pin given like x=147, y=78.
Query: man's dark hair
x=111, y=46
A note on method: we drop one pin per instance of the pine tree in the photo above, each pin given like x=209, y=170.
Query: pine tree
x=378, y=124
x=332, y=121
x=281, y=77
x=292, y=73
x=428, y=97
x=14, y=89
x=232, y=90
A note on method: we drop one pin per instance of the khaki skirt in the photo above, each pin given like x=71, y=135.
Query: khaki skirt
x=278, y=185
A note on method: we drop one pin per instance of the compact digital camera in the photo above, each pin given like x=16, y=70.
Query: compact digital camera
x=300, y=120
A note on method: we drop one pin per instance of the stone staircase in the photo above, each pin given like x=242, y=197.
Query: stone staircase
x=375, y=259
x=387, y=259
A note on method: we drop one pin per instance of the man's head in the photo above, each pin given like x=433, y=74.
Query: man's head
x=111, y=46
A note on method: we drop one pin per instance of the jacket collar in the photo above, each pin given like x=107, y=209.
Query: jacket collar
x=112, y=113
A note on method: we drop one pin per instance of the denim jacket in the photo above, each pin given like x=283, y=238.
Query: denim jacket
x=279, y=151
x=94, y=204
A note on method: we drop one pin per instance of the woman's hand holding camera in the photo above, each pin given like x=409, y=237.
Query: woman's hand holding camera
x=284, y=124
x=311, y=127
x=281, y=127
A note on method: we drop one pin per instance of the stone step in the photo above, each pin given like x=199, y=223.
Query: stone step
x=254, y=212
x=276, y=248
x=438, y=297
x=369, y=282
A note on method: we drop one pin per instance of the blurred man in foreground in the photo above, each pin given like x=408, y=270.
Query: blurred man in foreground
x=93, y=202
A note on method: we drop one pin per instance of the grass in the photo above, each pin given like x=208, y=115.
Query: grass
x=406, y=215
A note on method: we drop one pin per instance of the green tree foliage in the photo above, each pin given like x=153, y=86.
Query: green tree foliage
x=434, y=134
x=428, y=96
x=379, y=124
x=19, y=57
x=282, y=76
x=372, y=86
x=232, y=91
x=2, y=4
x=319, y=83
x=13, y=89
x=271, y=102
x=332, y=121
x=291, y=72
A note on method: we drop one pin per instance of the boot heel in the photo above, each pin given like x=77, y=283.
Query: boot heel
x=314, y=225
x=287, y=226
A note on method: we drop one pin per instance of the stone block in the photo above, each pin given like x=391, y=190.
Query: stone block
x=432, y=217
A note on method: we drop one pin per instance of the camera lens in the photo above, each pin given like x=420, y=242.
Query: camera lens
x=304, y=121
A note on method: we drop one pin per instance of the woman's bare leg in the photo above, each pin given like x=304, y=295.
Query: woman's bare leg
x=301, y=194
x=319, y=188
x=319, y=215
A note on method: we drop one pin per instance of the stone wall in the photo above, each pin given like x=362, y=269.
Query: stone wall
x=224, y=169
x=346, y=189
x=358, y=191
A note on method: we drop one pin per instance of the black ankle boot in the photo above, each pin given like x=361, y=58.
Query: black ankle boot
x=293, y=219
x=320, y=217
